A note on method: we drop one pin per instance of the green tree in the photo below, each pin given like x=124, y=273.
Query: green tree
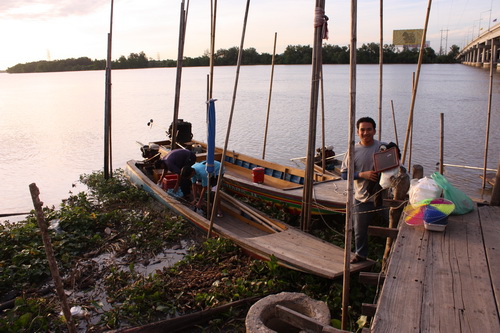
x=297, y=54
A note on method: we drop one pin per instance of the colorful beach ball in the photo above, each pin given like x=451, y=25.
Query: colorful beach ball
x=428, y=211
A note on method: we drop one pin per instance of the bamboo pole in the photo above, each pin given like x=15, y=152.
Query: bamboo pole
x=381, y=68
x=394, y=122
x=468, y=167
x=108, y=166
x=213, y=7
x=269, y=98
x=441, y=144
x=319, y=23
x=492, y=62
x=323, y=157
x=414, y=94
x=210, y=84
x=230, y=120
x=54, y=270
x=180, y=58
x=350, y=168
x=411, y=129
x=495, y=193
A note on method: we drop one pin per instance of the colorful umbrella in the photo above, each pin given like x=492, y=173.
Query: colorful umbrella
x=429, y=211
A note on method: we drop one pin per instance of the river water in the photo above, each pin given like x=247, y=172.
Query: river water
x=51, y=124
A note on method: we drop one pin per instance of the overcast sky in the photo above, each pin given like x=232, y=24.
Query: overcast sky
x=32, y=30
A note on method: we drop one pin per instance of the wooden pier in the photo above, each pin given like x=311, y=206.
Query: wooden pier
x=444, y=281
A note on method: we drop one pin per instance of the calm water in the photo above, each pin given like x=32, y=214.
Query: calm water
x=51, y=124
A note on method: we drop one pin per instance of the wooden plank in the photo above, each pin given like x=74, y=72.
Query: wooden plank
x=382, y=231
x=446, y=286
x=490, y=224
x=298, y=320
x=458, y=295
x=401, y=296
x=370, y=278
x=368, y=309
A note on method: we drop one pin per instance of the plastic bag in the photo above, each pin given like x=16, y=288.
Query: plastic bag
x=463, y=204
x=424, y=188
x=386, y=177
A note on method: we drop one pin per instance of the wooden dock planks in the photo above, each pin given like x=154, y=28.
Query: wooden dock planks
x=441, y=281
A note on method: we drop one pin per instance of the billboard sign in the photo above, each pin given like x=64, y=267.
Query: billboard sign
x=407, y=37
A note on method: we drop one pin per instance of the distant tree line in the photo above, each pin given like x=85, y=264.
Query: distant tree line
x=293, y=54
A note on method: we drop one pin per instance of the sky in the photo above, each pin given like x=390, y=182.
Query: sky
x=33, y=30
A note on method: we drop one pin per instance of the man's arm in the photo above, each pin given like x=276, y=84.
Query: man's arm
x=344, y=175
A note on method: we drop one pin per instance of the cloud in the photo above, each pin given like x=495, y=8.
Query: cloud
x=43, y=9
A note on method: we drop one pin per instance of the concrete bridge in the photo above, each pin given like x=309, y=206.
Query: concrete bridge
x=479, y=52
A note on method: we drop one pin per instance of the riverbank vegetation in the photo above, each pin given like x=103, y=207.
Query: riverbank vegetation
x=293, y=54
x=116, y=250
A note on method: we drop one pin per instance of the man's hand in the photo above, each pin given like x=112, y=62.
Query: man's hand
x=369, y=175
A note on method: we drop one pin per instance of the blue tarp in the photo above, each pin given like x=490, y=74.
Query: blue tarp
x=211, y=135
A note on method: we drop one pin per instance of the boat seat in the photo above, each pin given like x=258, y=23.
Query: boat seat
x=268, y=180
x=200, y=157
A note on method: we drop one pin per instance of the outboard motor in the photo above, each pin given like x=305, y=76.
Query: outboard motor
x=148, y=151
x=184, y=133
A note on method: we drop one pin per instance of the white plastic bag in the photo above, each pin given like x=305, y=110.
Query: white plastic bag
x=425, y=188
x=386, y=177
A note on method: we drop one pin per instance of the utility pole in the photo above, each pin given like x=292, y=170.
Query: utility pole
x=441, y=43
x=446, y=41
x=441, y=51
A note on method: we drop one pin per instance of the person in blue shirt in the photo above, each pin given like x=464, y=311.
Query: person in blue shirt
x=199, y=180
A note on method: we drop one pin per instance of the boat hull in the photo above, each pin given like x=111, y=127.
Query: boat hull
x=291, y=247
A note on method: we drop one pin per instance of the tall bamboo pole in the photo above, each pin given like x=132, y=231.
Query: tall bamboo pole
x=213, y=6
x=381, y=69
x=210, y=84
x=323, y=144
x=414, y=94
x=492, y=63
x=319, y=24
x=441, y=144
x=108, y=165
x=180, y=58
x=230, y=120
x=269, y=98
x=350, y=167
x=394, y=122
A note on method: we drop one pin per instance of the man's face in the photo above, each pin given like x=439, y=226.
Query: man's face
x=366, y=133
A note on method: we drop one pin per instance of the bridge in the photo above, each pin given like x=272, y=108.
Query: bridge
x=479, y=52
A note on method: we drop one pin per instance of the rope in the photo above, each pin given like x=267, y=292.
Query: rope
x=321, y=20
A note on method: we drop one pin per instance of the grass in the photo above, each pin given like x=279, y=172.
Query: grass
x=104, y=237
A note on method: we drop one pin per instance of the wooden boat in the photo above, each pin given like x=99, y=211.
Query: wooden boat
x=257, y=234
x=281, y=186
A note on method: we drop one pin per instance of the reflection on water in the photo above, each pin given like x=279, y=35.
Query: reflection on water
x=51, y=126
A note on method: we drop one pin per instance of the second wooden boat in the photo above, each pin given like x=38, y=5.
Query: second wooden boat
x=281, y=185
x=257, y=234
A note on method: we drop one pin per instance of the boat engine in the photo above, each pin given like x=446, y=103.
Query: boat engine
x=184, y=133
x=149, y=151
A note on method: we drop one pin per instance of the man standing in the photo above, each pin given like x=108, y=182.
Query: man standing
x=364, y=180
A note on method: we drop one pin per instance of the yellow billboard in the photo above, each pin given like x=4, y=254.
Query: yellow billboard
x=407, y=37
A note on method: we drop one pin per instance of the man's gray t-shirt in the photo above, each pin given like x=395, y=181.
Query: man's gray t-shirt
x=363, y=161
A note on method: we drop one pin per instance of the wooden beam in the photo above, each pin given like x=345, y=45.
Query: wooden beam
x=371, y=278
x=368, y=309
x=297, y=319
x=382, y=232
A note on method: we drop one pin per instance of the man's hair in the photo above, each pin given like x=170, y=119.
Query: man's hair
x=366, y=120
